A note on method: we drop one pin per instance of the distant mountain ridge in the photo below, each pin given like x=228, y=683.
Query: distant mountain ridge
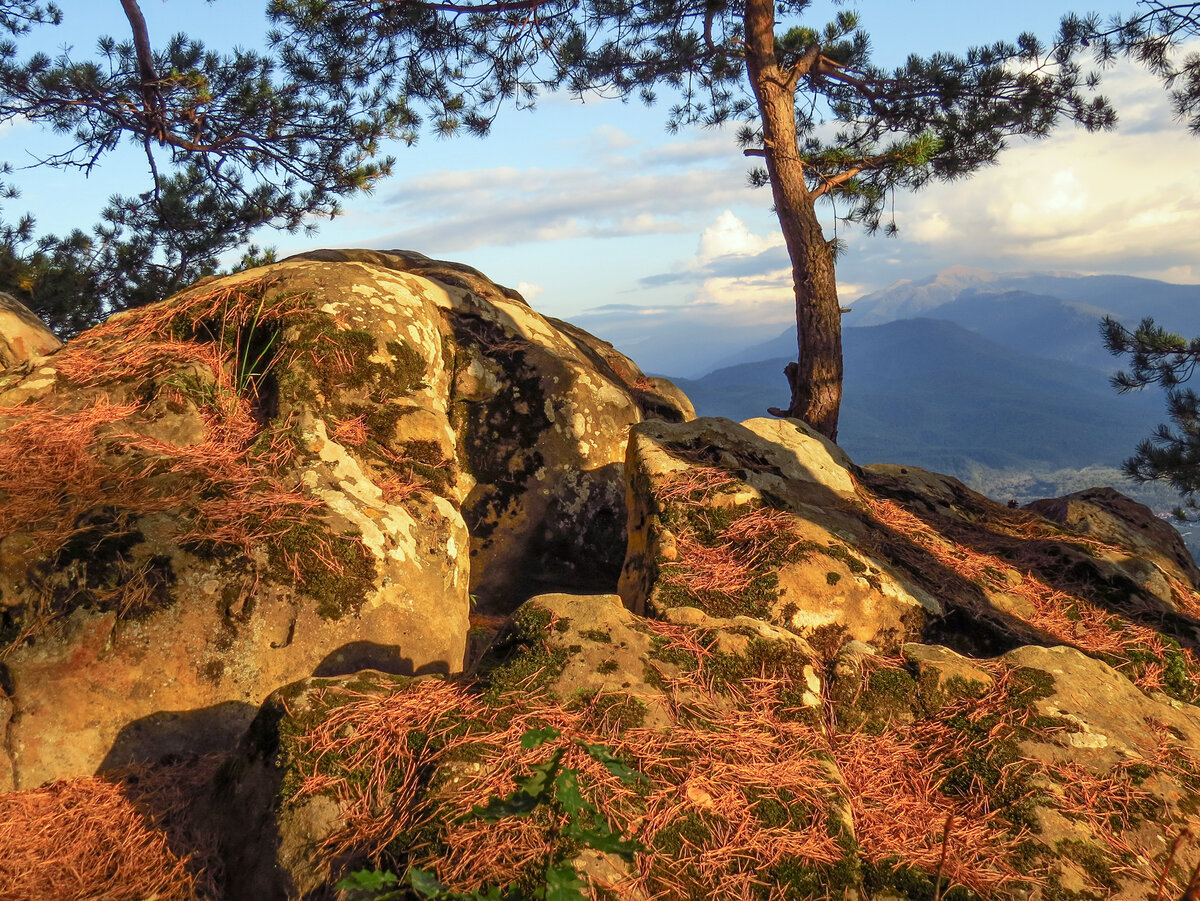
x=1000, y=379
x=935, y=394
x=1053, y=315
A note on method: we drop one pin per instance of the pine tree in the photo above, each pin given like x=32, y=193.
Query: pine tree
x=232, y=141
x=1158, y=357
x=828, y=125
x=1152, y=36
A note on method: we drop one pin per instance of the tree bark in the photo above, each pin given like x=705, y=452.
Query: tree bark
x=816, y=377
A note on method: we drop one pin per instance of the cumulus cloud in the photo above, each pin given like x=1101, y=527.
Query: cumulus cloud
x=730, y=236
x=528, y=290
x=1122, y=201
x=734, y=267
x=455, y=211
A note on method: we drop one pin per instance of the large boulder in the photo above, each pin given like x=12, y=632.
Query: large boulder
x=306, y=468
x=1128, y=536
x=540, y=410
x=761, y=765
x=23, y=337
x=767, y=519
x=761, y=519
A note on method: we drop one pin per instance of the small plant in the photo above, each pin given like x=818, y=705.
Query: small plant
x=248, y=371
x=548, y=785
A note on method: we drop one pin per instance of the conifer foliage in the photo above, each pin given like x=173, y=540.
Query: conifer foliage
x=231, y=140
x=1152, y=37
x=1159, y=357
x=826, y=122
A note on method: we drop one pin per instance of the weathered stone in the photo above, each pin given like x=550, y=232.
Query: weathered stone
x=541, y=410
x=395, y=432
x=791, y=546
x=23, y=337
x=349, y=578
x=941, y=666
x=1018, y=578
x=556, y=667
x=601, y=648
x=1112, y=739
x=1129, y=537
x=269, y=842
x=1111, y=717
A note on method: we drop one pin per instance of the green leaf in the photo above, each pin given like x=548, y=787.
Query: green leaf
x=367, y=881
x=564, y=884
x=603, y=839
x=610, y=762
x=518, y=804
x=533, y=790
x=424, y=883
x=535, y=738
x=567, y=793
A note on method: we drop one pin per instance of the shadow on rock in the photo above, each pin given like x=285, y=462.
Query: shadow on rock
x=171, y=735
x=385, y=658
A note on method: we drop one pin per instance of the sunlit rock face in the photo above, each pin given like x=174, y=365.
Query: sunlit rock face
x=760, y=519
x=23, y=337
x=305, y=468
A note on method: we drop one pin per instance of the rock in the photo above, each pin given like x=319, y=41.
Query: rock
x=1006, y=577
x=940, y=669
x=593, y=647
x=228, y=531
x=1110, y=715
x=23, y=337
x=853, y=770
x=305, y=468
x=1118, y=770
x=868, y=681
x=269, y=841
x=544, y=689
x=759, y=519
x=1128, y=536
x=541, y=410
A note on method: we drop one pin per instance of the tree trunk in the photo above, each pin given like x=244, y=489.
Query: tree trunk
x=816, y=377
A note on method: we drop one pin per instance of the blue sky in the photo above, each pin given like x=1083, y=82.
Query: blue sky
x=600, y=216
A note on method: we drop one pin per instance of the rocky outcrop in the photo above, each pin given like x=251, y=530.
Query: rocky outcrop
x=742, y=759
x=1128, y=536
x=761, y=519
x=305, y=468
x=810, y=679
x=541, y=410
x=23, y=336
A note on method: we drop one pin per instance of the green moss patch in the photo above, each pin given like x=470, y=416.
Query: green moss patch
x=748, y=546
x=336, y=571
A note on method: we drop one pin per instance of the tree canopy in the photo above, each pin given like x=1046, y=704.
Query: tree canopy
x=1152, y=36
x=1156, y=356
x=827, y=123
x=232, y=141
x=1159, y=357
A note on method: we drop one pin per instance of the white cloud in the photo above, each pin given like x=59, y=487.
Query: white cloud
x=729, y=235
x=528, y=290
x=609, y=137
x=1121, y=201
x=454, y=211
x=1179, y=275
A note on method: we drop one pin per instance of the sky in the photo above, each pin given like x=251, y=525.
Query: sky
x=598, y=215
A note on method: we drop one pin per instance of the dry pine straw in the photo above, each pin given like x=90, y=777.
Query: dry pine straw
x=747, y=542
x=114, y=838
x=720, y=772
x=1067, y=618
x=59, y=464
x=730, y=567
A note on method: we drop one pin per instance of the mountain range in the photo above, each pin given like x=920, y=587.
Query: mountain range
x=981, y=375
